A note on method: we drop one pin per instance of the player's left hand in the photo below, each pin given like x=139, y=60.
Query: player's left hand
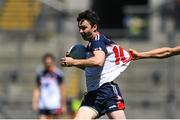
x=67, y=62
x=64, y=109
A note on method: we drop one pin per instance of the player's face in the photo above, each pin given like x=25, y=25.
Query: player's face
x=48, y=62
x=86, y=30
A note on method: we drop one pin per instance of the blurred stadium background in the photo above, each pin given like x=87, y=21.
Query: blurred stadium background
x=30, y=28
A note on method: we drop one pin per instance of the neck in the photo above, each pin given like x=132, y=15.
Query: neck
x=51, y=69
x=95, y=34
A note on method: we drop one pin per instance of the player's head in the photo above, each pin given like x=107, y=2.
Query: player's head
x=88, y=24
x=48, y=60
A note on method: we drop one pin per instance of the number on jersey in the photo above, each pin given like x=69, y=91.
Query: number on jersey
x=119, y=55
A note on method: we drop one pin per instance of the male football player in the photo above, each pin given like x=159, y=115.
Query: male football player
x=104, y=63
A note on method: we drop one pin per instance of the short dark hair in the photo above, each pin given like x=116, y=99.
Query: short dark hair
x=90, y=16
x=48, y=55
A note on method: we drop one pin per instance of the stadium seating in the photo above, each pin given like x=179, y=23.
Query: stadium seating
x=19, y=14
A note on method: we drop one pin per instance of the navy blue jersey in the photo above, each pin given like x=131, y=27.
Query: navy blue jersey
x=99, y=43
x=56, y=75
x=116, y=61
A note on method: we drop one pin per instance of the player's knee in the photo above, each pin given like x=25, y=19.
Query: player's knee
x=85, y=113
x=119, y=114
x=83, y=116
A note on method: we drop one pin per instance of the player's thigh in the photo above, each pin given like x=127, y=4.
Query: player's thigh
x=86, y=112
x=119, y=114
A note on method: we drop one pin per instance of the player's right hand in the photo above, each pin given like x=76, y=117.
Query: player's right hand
x=67, y=54
x=67, y=62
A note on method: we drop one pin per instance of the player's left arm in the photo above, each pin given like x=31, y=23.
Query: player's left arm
x=63, y=99
x=97, y=60
x=63, y=94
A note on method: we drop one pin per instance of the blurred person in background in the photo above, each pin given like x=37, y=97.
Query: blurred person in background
x=158, y=53
x=49, y=94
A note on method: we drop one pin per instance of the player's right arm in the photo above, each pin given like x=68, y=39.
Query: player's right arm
x=35, y=98
x=80, y=67
x=99, y=51
x=158, y=53
x=97, y=60
x=36, y=94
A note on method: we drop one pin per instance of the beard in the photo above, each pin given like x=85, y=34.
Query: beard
x=87, y=36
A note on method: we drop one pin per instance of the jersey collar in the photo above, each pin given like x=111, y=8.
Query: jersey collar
x=97, y=37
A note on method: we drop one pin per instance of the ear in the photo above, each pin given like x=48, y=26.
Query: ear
x=95, y=28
